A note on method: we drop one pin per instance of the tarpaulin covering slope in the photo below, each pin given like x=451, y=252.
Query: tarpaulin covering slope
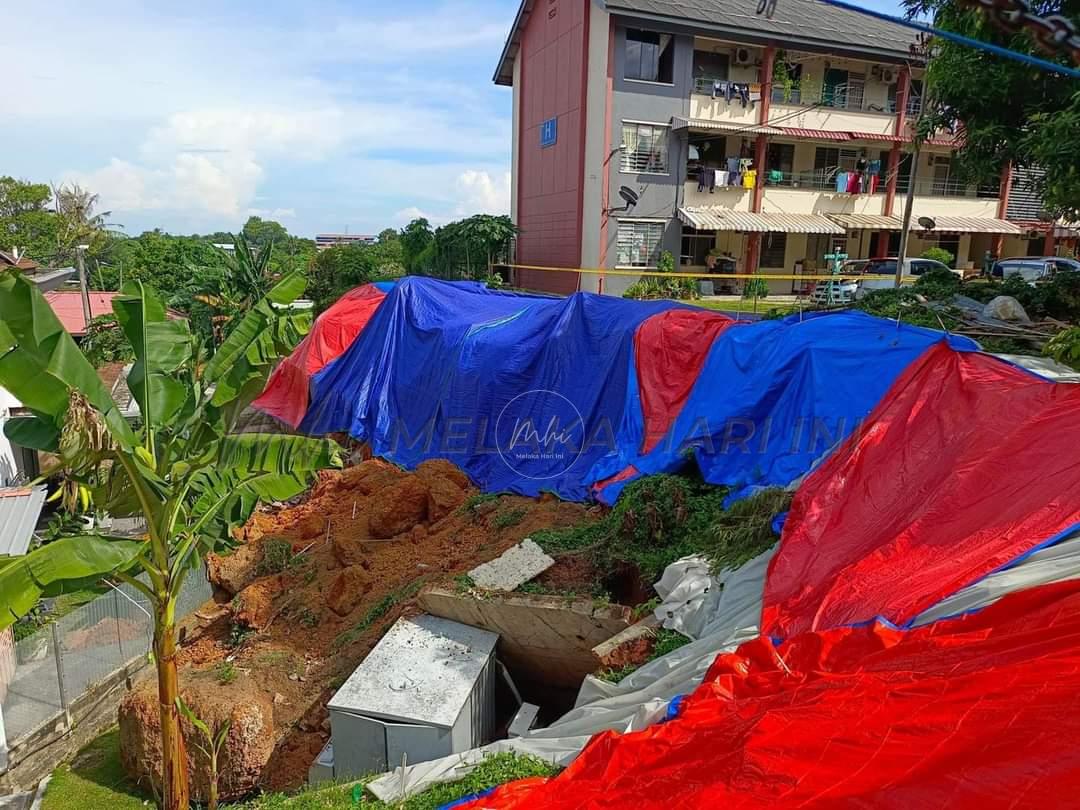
x=286, y=392
x=773, y=397
x=523, y=392
x=967, y=464
x=977, y=712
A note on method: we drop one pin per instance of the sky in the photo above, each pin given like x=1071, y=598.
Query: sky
x=326, y=116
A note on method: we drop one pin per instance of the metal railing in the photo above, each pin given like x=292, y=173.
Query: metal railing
x=816, y=180
x=45, y=673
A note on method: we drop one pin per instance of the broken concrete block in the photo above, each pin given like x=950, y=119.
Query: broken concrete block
x=513, y=567
x=524, y=720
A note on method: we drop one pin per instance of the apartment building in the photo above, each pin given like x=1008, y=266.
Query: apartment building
x=699, y=127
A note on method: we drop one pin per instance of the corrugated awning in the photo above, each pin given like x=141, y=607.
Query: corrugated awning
x=20, y=509
x=873, y=136
x=971, y=225
x=868, y=222
x=702, y=125
x=715, y=218
x=820, y=134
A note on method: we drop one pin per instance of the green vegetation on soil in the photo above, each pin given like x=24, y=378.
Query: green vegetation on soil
x=661, y=518
x=666, y=641
x=95, y=779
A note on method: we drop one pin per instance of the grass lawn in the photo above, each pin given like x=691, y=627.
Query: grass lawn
x=746, y=305
x=94, y=778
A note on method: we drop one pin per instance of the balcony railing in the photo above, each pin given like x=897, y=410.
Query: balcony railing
x=948, y=188
x=817, y=180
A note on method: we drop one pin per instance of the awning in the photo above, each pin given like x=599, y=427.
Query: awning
x=702, y=125
x=715, y=218
x=874, y=136
x=820, y=134
x=867, y=222
x=20, y=508
x=970, y=225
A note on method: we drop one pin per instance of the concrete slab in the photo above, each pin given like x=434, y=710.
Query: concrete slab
x=546, y=639
x=513, y=567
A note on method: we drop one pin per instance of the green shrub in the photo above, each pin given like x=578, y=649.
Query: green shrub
x=225, y=672
x=508, y=518
x=756, y=287
x=277, y=556
x=939, y=254
x=938, y=285
x=1065, y=347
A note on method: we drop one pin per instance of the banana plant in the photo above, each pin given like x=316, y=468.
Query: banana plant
x=183, y=468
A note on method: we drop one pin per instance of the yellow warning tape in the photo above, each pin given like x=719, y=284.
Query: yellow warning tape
x=603, y=271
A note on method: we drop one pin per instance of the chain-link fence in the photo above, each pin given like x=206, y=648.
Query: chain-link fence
x=43, y=674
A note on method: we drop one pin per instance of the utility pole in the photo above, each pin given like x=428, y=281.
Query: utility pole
x=81, y=264
x=909, y=202
x=925, y=46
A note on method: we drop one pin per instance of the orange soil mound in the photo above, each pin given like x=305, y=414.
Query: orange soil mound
x=311, y=624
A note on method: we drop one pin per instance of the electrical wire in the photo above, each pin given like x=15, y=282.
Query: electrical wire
x=1032, y=61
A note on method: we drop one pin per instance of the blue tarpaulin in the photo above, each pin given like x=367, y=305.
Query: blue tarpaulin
x=530, y=394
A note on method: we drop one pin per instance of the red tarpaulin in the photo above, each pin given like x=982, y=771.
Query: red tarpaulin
x=976, y=712
x=965, y=465
x=669, y=351
x=286, y=394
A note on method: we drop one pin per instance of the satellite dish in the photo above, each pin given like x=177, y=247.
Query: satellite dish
x=629, y=196
x=927, y=222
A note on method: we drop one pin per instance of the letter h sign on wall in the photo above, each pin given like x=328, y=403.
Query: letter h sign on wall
x=549, y=131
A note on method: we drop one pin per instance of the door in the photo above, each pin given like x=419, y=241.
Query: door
x=415, y=743
x=359, y=745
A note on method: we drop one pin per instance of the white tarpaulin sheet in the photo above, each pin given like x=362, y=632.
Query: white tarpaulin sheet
x=720, y=613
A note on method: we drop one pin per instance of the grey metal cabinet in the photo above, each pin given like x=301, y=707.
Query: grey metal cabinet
x=425, y=691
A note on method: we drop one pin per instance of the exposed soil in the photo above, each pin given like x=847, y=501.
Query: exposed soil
x=299, y=632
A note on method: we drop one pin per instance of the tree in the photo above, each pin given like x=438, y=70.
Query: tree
x=105, y=342
x=25, y=219
x=1006, y=110
x=183, y=470
x=340, y=268
x=78, y=223
x=388, y=235
x=416, y=241
x=469, y=246
x=262, y=232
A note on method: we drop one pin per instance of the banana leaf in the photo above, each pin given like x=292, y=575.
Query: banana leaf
x=59, y=567
x=162, y=347
x=40, y=363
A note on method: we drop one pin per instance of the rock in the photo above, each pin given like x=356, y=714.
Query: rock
x=344, y=544
x=399, y=508
x=248, y=743
x=280, y=699
x=317, y=713
x=444, y=498
x=347, y=588
x=254, y=606
x=235, y=571
x=439, y=469
x=418, y=534
x=1005, y=308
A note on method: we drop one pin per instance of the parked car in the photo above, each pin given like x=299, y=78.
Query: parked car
x=850, y=287
x=1033, y=269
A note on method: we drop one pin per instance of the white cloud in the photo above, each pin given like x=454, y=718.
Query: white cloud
x=271, y=213
x=480, y=193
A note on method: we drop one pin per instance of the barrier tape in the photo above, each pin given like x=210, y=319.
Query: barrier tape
x=603, y=271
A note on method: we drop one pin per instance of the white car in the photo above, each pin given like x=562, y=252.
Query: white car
x=849, y=286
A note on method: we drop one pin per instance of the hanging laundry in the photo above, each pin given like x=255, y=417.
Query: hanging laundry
x=718, y=89
x=776, y=177
x=860, y=165
x=853, y=183
x=873, y=183
x=755, y=92
x=874, y=167
x=841, y=181
x=720, y=178
x=743, y=91
x=733, y=165
x=749, y=178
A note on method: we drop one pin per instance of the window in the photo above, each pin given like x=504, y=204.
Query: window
x=709, y=67
x=843, y=89
x=650, y=56
x=645, y=148
x=696, y=246
x=773, y=248
x=638, y=243
x=914, y=99
x=780, y=158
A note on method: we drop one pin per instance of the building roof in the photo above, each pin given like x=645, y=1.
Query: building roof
x=68, y=306
x=20, y=508
x=23, y=262
x=807, y=24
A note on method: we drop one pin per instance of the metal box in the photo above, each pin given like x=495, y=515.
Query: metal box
x=426, y=690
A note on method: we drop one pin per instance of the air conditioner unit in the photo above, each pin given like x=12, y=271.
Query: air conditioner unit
x=888, y=75
x=743, y=56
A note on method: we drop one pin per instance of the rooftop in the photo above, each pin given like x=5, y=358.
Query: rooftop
x=806, y=24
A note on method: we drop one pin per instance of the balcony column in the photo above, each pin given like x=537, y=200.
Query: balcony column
x=998, y=243
x=765, y=74
x=903, y=87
